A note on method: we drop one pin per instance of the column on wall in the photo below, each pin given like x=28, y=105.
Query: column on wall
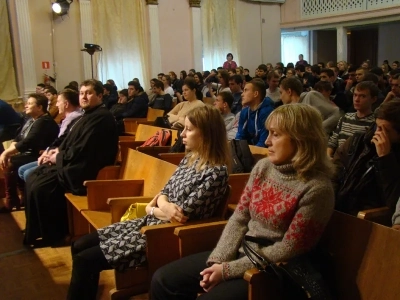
x=341, y=33
x=195, y=12
x=154, y=28
x=26, y=46
x=86, y=34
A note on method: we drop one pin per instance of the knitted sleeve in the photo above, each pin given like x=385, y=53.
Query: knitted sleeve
x=307, y=225
x=230, y=240
x=334, y=139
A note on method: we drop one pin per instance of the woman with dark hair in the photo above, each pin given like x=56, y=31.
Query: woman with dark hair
x=38, y=132
x=174, y=79
x=221, y=86
x=200, y=86
x=284, y=208
x=178, y=113
x=230, y=63
x=203, y=173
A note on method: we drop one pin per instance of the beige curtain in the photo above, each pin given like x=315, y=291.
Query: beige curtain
x=219, y=32
x=8, y=86
x=119, y=28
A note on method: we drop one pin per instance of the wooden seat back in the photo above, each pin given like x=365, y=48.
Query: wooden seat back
x=173, y=158
x=258, y=152
x=153, y=114
x=366, y=258
x=208, y=100
x=155, y=172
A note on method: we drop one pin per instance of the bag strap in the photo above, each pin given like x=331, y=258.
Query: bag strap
x=250, y=252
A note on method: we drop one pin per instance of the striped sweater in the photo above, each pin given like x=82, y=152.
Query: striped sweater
x=347, y=126
x=279, y=207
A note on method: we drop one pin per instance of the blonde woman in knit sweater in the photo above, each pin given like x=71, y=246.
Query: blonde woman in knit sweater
x=179, y=112
x=288, y=201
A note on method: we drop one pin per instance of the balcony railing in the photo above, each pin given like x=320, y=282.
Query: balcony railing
x=323, y=8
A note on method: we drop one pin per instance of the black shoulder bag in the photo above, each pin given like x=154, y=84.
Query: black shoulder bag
x=298, y=278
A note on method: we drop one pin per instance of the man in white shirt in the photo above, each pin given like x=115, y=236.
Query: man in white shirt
x=273, y=90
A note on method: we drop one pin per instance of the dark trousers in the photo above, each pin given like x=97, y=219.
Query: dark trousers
x=45, y=207
x=87, y=262
x=180, y=280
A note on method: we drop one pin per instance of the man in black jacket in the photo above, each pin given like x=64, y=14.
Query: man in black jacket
x=90, y=145
x=368, y=164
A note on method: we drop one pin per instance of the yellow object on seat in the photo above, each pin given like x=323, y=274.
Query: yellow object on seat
x=135, y=210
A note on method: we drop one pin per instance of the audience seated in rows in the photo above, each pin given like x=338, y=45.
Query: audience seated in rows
x=91, y=144
x=192, y=193
x=368, y=164
x=36, y=134
x=294, y=178
x=222, y=85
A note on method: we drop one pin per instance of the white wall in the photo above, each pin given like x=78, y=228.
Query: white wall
x=67, y=43
x=388, y=47
x=258, y=42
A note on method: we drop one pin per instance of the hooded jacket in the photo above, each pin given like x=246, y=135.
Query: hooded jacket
x=252, y=123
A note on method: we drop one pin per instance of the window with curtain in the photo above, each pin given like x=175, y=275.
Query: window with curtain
x=219, y=32
x=293, y=44
x=8, y=86
x=119, y=28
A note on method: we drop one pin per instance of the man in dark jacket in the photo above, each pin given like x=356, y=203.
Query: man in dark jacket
x=90, y=145
x=10, y=120
x=138, y=101
x=368, y=164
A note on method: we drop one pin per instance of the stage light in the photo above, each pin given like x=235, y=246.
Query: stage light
x=61, y=7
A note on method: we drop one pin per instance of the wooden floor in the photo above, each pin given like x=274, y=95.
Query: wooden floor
x=37, y=273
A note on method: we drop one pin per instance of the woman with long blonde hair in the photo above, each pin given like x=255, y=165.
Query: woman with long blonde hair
x=192, y=193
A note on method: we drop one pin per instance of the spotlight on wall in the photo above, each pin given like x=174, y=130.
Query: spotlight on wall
x=61, y=7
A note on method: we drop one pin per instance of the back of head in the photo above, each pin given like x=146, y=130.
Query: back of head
x=303, y=124
x=259, y=86
x=316, y=69
x=71, y=96
x=214, y=143
x=328, y=72
x=323, y=86
x=371, y=77
x=292, y=83
x=95, y=84
x=377, y=71
x=390, y=111
x=300, y=68
x=236, y=78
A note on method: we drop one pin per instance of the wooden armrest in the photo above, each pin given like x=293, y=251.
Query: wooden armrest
x=161, y=237
x=199, y=237
x=154, y=150
x=118, y=206
x=262, y=285
x=98, y=191
x=373, y=213
x=381, y=215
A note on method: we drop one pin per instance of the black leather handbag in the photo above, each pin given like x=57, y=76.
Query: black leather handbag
x=298, y=277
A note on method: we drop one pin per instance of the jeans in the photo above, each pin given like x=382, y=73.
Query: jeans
x=25, y=170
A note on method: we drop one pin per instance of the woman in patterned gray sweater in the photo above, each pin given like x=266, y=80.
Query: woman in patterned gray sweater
x=193, y=192
x=288, y=200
